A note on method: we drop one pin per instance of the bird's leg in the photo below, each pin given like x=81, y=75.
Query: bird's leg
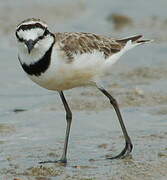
x=128, y=144
x=69, y=120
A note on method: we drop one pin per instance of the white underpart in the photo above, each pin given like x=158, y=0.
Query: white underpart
x=86, y=69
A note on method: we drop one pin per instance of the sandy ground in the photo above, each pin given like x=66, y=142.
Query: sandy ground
x=32, y=119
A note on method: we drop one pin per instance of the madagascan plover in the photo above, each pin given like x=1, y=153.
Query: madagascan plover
x=62, y=61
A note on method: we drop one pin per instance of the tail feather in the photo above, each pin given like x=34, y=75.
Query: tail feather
x=143, y=41
x=127, y=44
x=134, y=39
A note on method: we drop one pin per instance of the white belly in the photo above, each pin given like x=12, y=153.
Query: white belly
x=61, y=80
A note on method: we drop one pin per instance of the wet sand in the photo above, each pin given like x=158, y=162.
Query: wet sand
x=32, y=119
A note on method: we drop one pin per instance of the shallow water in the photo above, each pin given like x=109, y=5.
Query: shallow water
x=32, y=119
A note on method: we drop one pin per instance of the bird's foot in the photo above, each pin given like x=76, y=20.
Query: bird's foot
x=125, y=152
x=61, y=161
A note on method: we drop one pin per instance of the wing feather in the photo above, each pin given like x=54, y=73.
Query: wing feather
x=80, y=43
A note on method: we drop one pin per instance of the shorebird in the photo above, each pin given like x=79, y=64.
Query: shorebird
x=62, y=61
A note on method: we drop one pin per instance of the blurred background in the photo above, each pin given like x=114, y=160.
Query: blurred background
x=32, y=119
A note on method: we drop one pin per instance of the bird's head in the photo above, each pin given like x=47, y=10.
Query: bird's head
x=33, y=35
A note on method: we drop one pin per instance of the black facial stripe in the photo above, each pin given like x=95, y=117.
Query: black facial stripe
x=31, y=26
x=17, y=36
x=20, y=39
x=44, y=34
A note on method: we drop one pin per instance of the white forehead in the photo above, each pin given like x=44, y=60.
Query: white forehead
x=33, y=33
x=32, y=22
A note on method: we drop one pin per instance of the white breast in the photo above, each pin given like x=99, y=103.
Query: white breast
x=62, y=75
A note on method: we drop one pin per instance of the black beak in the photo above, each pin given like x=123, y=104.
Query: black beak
x=30, y=44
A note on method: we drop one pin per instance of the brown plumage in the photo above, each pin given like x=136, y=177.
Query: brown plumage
x=79, y=43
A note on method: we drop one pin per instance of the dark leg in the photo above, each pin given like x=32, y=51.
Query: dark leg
x=128, y=145
x=68, y=119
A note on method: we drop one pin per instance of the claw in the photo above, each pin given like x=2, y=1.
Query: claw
x=125, y=152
